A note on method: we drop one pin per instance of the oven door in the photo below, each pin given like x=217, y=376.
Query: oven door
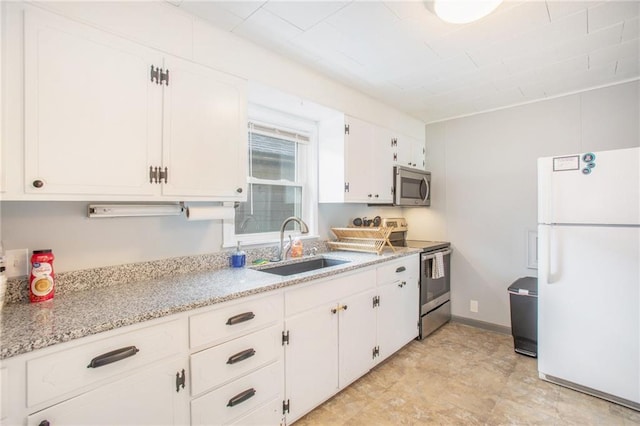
x=434, y=291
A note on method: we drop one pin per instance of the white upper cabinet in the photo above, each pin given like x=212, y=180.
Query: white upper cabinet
x=205, y=122
x=355, y=162
x=107, y=118
x=92, y=115
x=409, y=152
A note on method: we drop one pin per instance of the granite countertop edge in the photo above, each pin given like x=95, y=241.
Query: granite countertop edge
x=27, y=327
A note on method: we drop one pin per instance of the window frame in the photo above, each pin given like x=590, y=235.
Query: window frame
x=307, y=177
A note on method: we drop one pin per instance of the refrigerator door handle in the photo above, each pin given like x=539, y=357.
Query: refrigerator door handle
x=545, y=255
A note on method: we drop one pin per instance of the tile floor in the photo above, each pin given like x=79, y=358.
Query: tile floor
x=462, y=375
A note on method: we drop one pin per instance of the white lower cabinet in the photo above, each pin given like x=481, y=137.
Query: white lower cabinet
x=398, y=305
x=356, y=337
x=237, y=369
x=331, y=330
x=240, y=397
x=146, y=397
x=129, y=376
x=338, y=329
x=311, y=369
x=268, y=414
x=262, y=360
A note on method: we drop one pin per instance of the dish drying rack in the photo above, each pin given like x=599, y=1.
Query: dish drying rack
x=369, y=240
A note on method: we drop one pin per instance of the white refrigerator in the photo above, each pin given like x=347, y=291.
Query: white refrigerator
x=589, y=273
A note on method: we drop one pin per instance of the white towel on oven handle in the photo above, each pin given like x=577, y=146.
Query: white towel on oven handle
x=437, y=266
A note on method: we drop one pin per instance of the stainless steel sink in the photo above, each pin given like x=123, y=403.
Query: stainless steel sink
x=304, y=266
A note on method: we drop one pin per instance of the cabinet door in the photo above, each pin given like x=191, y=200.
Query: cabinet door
x=382, y=167
x=357, y=336
x=397, y=315
x=409, y=152
x=418, y=153
x=311, y=368
x=204, y=132
x=147, y=397
x=92, y=114
x=359, y=155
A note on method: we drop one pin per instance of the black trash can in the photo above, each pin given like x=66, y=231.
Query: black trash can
x=523, y=295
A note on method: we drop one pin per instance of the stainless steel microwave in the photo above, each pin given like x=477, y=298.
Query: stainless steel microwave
x=411, y=187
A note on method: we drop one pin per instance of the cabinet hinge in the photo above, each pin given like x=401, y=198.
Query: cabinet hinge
x=155, y=74
x=376, y=301
x=395, y=157
x=285, y=337
x=346, y=129
x=163, y=175
x=158, y=76
x=394, y=142
x=346, y=187
x=180, y=379
x=285, y=406
x=375, y=352
x=156, y=175
x=164, y=77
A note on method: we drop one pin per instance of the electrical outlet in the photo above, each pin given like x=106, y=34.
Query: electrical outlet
x=17, y=263
x=473, y=306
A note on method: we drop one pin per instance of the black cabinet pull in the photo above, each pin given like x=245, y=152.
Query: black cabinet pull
x=241, y=356
x=44, y=423
x=113, y=356
x=334, y=311
x=402, y=284
x=241, y=397
x=401, y=269
x=237, y=319
x=38, y=183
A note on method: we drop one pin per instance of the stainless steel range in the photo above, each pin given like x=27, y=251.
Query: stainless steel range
x=435, y=276
x=435, y=284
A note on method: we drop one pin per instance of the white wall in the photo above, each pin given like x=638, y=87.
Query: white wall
x=485, y=184
x=80, y=243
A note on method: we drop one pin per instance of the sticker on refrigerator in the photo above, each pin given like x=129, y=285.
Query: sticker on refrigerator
x=561, y=164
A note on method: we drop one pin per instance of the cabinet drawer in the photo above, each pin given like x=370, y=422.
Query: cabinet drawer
x=223, y=363
x=267, y=415
x=225, y=323
x=402, y=269
x=67, y=370
x=240, y=397
x=146, y=397
x=325, y=291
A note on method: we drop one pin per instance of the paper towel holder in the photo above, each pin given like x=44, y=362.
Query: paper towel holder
x=134, y=210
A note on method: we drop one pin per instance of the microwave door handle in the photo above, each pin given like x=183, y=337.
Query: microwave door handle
x=426, y=187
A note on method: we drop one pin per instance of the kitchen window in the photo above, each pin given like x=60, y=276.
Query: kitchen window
x=281, y=172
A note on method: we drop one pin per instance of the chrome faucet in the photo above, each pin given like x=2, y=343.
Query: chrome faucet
x=303, y=229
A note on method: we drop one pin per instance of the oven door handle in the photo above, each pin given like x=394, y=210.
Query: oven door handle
x=431, y=256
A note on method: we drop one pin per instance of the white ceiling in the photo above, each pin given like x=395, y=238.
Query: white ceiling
x=401, y=54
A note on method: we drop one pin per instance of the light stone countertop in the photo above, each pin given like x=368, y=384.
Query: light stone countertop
x=26, y=327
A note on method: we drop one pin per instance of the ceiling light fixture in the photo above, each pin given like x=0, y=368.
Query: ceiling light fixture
x=462, y=11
